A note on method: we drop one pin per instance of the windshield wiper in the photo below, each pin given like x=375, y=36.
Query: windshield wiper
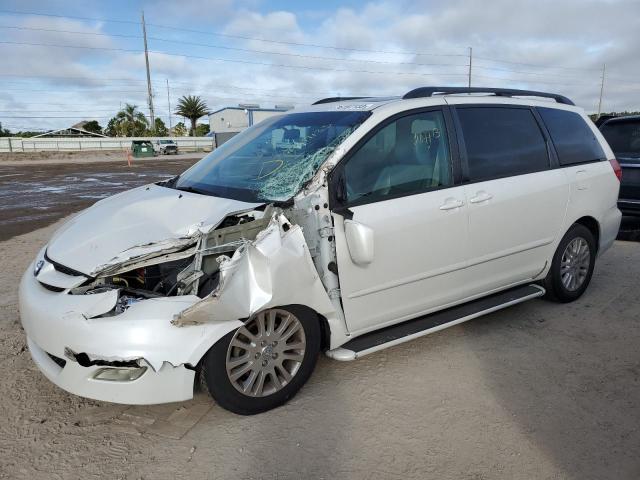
x=191, y=189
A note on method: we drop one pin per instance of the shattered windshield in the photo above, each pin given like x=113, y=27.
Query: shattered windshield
x=272, y=160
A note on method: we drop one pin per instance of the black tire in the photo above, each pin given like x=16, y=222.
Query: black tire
x=214, y=372
x=556, y=289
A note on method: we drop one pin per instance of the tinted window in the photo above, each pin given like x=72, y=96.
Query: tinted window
x=572, y=137
x=623, y=137
x=502, y=142
x=409, y=155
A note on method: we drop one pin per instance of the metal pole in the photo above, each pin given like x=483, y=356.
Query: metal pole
x=169, y=104
x=604, y=66
x=146, y=59
x=470, y=64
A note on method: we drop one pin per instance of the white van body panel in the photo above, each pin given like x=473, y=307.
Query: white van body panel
x=500, y=234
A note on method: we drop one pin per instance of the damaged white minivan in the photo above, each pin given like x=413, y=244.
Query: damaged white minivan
x=346, y=227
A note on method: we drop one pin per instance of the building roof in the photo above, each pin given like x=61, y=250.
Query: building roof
x=70, y=132
x=253, y=109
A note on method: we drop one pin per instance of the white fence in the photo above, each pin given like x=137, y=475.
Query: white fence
x=14, y=144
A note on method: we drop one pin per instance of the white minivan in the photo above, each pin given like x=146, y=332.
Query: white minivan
x=345, y=227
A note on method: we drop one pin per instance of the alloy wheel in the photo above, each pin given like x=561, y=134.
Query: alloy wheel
x=266, y=353
x=575, y=263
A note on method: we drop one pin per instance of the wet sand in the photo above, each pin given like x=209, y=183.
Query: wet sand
x=35, y=195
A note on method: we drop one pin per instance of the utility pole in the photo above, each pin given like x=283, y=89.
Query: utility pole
x=146, y=59
x=604, y=66
x=169, y=104
x=470, y=63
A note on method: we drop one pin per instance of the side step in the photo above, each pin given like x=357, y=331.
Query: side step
x=418, y=327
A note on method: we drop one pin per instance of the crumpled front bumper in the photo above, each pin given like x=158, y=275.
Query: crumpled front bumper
x=56, y=322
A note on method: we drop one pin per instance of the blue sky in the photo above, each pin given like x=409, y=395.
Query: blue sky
x=58, y=70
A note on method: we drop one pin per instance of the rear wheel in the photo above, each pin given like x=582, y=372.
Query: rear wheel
x=572, y=265
x=264, y=363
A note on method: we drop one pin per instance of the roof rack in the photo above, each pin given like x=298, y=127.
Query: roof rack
x=335, y=99
x=500, y=92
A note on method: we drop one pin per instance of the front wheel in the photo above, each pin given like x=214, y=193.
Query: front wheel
x=264, y=363
x=572, y=265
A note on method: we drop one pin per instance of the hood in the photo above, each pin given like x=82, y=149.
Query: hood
x=139, y=217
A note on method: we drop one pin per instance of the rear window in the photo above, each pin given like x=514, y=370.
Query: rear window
x=623, y=137
x=502, y=142
x=575, y=142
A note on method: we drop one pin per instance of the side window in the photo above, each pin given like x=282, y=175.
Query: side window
x=575, y=142
x=410, y=155
x=502, y=142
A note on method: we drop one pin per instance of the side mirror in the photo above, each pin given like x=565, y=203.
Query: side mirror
x=359, y=242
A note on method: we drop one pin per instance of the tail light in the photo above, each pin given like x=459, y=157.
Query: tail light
x=616, y=168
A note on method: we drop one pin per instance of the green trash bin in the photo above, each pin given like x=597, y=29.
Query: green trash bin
x=142, y=148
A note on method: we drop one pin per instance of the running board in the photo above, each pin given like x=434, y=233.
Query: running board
x=418, y=327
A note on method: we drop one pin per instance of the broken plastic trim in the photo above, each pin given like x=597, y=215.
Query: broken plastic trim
x=84, y=360
x=261, y=274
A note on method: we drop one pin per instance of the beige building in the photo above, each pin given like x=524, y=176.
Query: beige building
x=228, y=121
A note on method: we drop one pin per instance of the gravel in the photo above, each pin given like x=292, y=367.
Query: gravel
x=540, y=390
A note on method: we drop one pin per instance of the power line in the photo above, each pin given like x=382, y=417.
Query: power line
x=528, y=81
x=242, y=37
x=300, y=44
x=208, y=85
x=111, y=20
x=299, y=55
x=237, y=49
x=216, y=59
x=315, y=57
x=537, y=65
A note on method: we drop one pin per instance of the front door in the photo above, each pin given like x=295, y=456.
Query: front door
x=398, y=184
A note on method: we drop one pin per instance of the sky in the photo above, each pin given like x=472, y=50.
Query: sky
x=66, y=61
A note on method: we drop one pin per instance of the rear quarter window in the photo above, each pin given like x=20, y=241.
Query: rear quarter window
x=574, y=141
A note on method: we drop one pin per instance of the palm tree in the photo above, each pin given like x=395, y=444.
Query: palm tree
x=192, y=107
x=131, y=122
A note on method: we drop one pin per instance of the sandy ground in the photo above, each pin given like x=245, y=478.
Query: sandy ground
x=56, y=158
x=537, y=391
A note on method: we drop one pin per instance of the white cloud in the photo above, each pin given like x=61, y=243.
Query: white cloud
x=577, y=35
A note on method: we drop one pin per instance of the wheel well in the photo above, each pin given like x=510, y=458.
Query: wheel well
x=325, y=330
x=593, y=226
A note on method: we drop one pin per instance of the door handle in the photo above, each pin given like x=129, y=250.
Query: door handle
x=451, y=204
x=480, y=197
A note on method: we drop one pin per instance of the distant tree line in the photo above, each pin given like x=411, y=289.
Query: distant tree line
x=594, y=116
x=131, y=122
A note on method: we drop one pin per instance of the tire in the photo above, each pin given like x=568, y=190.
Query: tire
x=558, y=283
x=261, y=360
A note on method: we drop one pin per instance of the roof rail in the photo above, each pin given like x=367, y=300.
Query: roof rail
x=500, y=92
x=335, y=99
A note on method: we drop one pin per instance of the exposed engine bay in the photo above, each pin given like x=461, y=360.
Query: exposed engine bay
x=191, y=270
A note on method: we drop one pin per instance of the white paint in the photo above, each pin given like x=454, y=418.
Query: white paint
x=360, y=242
x=133, y=223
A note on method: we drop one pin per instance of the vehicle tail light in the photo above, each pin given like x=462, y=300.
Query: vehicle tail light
x=616, y=168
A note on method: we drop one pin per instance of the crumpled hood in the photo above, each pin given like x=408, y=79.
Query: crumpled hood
x=142, y=216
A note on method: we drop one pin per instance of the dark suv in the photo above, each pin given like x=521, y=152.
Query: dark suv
x=623, y=135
